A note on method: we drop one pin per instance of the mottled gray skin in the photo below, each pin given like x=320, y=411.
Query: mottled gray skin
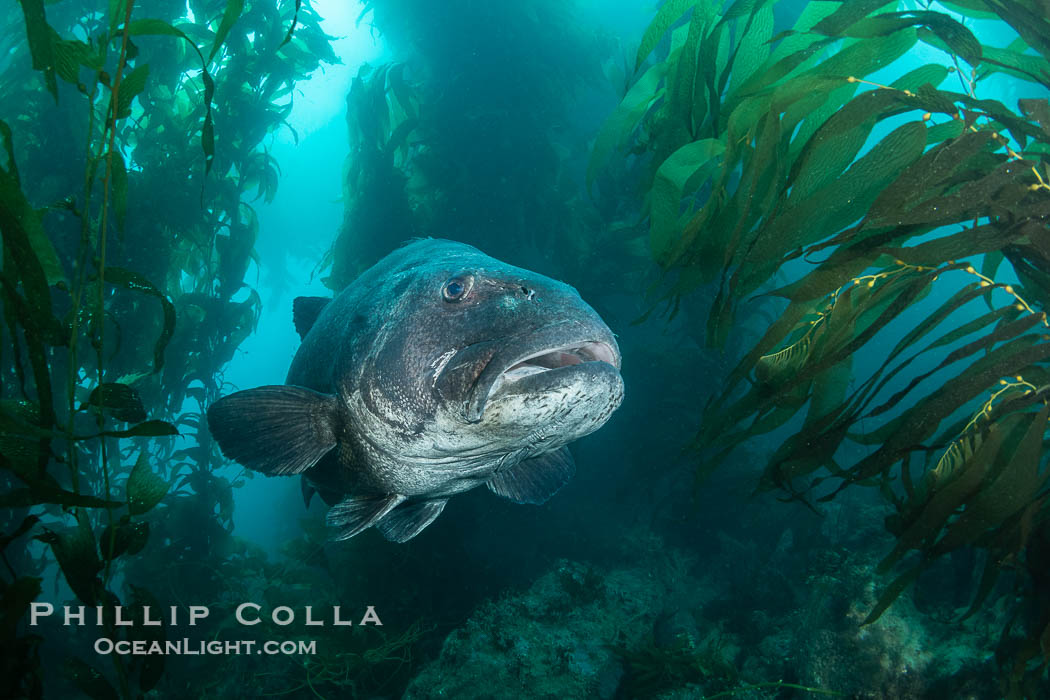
x=426, y=410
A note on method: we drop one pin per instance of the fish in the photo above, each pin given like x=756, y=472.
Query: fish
x=438, y=370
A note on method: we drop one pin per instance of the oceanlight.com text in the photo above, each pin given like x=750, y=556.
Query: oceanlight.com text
x=188, y=647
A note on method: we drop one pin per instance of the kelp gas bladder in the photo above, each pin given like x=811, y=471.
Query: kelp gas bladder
x=760, y=167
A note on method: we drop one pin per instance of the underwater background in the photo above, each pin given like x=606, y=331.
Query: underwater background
x=819, y=230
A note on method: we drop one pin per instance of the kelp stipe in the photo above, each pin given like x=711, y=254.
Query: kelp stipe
x=755, y=143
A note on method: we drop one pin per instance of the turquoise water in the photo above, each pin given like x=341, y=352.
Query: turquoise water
x=691, y=554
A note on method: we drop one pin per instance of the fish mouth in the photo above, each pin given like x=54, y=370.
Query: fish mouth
x=537, y=357
x=556, y=358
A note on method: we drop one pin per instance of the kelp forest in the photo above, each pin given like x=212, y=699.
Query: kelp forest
x=819, y=230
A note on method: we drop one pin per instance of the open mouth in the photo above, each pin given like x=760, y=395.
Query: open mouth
x=557, y=358
x=522, y=366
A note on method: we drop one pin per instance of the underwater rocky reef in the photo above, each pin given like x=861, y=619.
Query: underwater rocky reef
x=817, y=228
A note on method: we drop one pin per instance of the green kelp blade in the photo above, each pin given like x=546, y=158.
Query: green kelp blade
x=1014, y=488
x=849, y=12
x=77, y=557
x=229, y=18
x=624, y=119
x=127, y=537
x=945, y=499
x=295, y=22
x=149, y=428
x=130, y=87
x=1007, y=360
x=668, y=14
x=1004, y=332
x=684, y=168
x=158, y=27
x=39, y=33
x=892, y=592
x=119, y=400
x=119, y=188
x=837, y=204
x=145, y=488
x=133, y=281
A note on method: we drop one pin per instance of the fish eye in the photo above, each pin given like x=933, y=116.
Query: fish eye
x=457, y=288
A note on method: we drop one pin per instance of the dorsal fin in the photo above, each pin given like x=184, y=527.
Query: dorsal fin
x=305, y=311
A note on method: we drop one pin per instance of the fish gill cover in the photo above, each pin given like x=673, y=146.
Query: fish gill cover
x=827, y=219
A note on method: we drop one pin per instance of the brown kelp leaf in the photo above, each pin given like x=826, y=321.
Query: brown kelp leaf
x=77, y=557
x=943, y=500
x=39, y=34
x=295, y=21
x=127, y=537
x=987, y=238
x=1016, y=485
x=1039, y=110
x=989, y=575
x=119, y=400
x=145, y=488
x=919, y=180
x=1003, y=332
x=150, y=428
x=119, y=188
x=157, y=27
x=846, y=15
x=133, y=281
x=38, y=493
x=892, y=592
x=1007, y=360
x=27, y=523
x=229, y=18
x=130, y=87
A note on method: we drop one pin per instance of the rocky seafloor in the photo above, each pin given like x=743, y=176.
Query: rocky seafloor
x=740, y=624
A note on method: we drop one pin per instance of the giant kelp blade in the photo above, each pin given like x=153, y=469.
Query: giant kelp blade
x=133, y=281
x=295, y=21
x=1013, y=488
x=892, y=592
x=149, y=428
x=688, y=164
x=78, y=558
x=229, y=18
x=130, y=87
x=624, y=119
x=145, y=488
x=669, y=13
x=119, y=400
x=157, y=27
x=38, y=32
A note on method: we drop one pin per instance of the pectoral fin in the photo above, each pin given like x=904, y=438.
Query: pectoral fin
x=535, y=480
x=352, y=515
x=276, y=430
x=404, y=523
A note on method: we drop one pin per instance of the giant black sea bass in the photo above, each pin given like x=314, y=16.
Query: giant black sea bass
x=439, y=369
